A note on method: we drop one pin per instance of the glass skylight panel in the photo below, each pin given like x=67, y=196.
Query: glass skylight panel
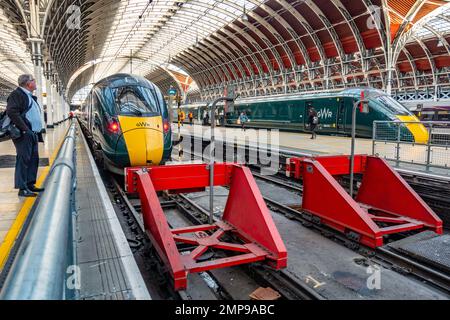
x=164, y=30
x=436, y=22
x=14, y=58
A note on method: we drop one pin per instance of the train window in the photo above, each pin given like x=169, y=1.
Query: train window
x=392, y=105
x=283, y=111
x=443, y=116
x=135, y=100
x=427, y=116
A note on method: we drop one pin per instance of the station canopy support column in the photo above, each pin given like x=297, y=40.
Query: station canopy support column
x=49, y=89
x=36, y=50
x=55, y=104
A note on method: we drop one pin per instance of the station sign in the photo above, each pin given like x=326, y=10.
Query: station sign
x=172, y=92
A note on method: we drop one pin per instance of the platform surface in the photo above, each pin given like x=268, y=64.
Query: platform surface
x=107, y=266
x=324, y=144
x=324, y=264
x=10, y=202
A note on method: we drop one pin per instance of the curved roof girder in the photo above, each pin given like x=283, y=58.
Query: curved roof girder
x=14, y=58
x=330, y=28
x=429, y=57
x=307, y=27
x=21, y=9
x=254, y=43
x=233, y=63
x=213, y=7
x=267, y=42
x=236, y=52
x=413, y=64
x=209, y=61
x=295, y=37
x=242, y=44
x=166, y=77
x=199, y=79
x=197, y=67
x=203, y=47
x=440, y=37
x=405, y=36
x=355, y=31
x=276, y=34
x=210, y=49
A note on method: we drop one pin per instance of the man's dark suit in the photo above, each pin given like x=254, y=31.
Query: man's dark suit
x=27, y=160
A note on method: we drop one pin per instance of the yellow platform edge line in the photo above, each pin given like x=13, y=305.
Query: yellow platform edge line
x=13, y=232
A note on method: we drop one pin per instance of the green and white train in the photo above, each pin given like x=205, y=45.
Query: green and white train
x=290, y=112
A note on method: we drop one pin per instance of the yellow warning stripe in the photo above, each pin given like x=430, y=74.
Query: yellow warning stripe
x=11, y=236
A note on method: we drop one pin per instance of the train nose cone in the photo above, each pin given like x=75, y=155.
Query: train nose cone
x=144, y=139
x=417, y=129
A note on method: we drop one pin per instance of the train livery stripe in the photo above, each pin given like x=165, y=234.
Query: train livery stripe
x=144, y=139
x=418, y=130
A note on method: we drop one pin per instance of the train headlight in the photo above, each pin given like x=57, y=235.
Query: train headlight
x=113, y=125
x=166, y=126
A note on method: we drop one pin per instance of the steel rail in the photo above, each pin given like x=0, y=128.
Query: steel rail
x=396, y=260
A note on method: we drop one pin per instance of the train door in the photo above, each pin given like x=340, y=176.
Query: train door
x=296, y=113
x=341, y=116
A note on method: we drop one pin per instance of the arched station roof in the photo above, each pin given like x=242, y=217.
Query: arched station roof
x=259, y=47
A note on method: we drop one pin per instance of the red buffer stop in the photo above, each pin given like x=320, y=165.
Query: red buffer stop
x=385, y=204
x=251, y=223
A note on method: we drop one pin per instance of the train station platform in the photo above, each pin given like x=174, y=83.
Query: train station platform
x=87, y=257
x=299, y=143
x=14, y=210
x=102, y=252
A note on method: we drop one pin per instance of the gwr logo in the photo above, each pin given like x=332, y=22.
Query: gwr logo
x=325, y=113
x=143, y=124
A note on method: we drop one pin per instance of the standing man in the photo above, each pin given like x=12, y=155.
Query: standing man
x=313, y=121
x=25, y=113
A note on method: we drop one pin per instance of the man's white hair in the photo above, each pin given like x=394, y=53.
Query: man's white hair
x=23, y=79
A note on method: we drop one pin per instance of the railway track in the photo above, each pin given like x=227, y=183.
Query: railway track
x=385, y=256
x=436, y=193
x=282, y=281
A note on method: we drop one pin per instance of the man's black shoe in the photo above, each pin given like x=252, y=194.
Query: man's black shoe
x=35, y=189
x=26, y=193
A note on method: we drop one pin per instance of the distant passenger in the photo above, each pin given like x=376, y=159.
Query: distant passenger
x=183, y=117
x=25, y=113
x=243, y=119
x=313, y=121
x=191, y=117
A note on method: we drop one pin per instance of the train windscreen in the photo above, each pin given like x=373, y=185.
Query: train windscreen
x=392, y=105
x=135, y=100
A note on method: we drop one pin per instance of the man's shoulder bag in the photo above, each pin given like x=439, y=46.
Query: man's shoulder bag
x=8, y=130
